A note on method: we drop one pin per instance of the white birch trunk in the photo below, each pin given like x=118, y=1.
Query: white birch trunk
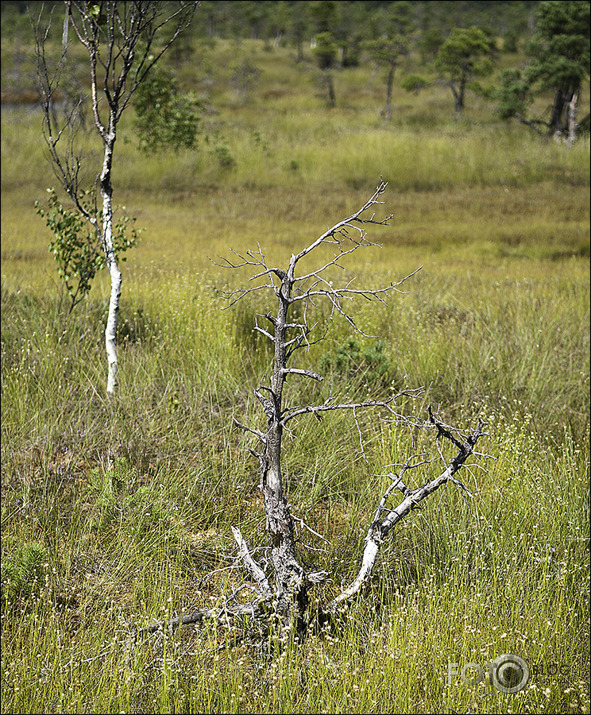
x=111, y=261
x=121, y=52
x=110, y=330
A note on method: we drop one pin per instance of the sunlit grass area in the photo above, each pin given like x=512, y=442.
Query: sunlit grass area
x=116, y=513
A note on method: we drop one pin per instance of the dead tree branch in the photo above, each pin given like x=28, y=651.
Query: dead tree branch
x=282, y=588
x=386, y=516
x=251, y=565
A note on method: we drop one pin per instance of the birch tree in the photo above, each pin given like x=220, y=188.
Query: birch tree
x=123, y=41
x=282, y=587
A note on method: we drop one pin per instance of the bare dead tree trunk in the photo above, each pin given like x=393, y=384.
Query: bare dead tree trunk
x=572, y=118
x=285, y=590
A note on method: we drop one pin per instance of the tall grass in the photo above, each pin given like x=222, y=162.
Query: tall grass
x=114, y=512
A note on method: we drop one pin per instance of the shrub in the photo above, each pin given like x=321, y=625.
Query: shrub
x=350, y=360
x=23, y=573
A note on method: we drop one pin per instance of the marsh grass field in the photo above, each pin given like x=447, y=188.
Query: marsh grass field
x=114, y=511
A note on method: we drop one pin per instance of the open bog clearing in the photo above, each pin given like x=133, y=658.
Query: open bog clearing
x=117, y=512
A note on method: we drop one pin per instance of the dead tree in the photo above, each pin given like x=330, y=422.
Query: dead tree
x=284, y=591
x=123, y=42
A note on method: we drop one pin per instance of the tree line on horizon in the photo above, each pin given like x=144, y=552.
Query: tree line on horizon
x=453, y=44
x=351, y=22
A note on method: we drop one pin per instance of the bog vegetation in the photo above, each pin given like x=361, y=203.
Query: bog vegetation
x=117, y=513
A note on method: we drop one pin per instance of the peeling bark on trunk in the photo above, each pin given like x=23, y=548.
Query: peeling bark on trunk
x=291, y=590
x=111, y=261
x=111, y=329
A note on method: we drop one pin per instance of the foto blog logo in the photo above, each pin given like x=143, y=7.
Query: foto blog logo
x=508, y=673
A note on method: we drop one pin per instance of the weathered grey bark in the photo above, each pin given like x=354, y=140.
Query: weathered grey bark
x=385, y=519
x=382, y=525
x=285, y=590
x=251, y=565
x=290, y=288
